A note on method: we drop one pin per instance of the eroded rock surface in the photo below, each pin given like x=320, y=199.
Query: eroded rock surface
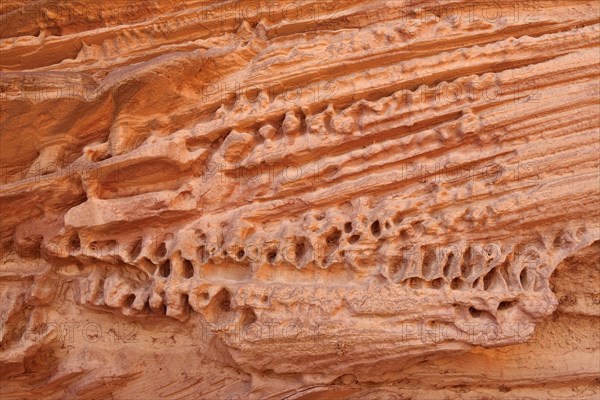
x=300, y=200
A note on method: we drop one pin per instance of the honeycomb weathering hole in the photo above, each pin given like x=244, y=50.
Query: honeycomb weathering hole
x=136, y=248
x=466, y=268
x=289, y=175
x=223, y=300
x=455, y=284
x=129, y=300
x=164, y=269
x=75, y=243
x=437, y=283
x=333, y=239
x=300, y=250
x=376, y=228
x=161, y=251
x=188, y=269
x=448, y=265
x=475, y=313
x=348, y=227
x=185, y=302
x=240, y=254
x=202, y=254
x=525, y=279
x=505, y=305
x=248, y=316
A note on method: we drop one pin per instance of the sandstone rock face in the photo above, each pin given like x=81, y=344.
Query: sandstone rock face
x=300, y=200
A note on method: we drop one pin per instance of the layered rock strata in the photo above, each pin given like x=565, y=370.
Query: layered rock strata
x=300, y=200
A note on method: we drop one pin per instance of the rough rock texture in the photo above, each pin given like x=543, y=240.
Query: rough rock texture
x=300, y=200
